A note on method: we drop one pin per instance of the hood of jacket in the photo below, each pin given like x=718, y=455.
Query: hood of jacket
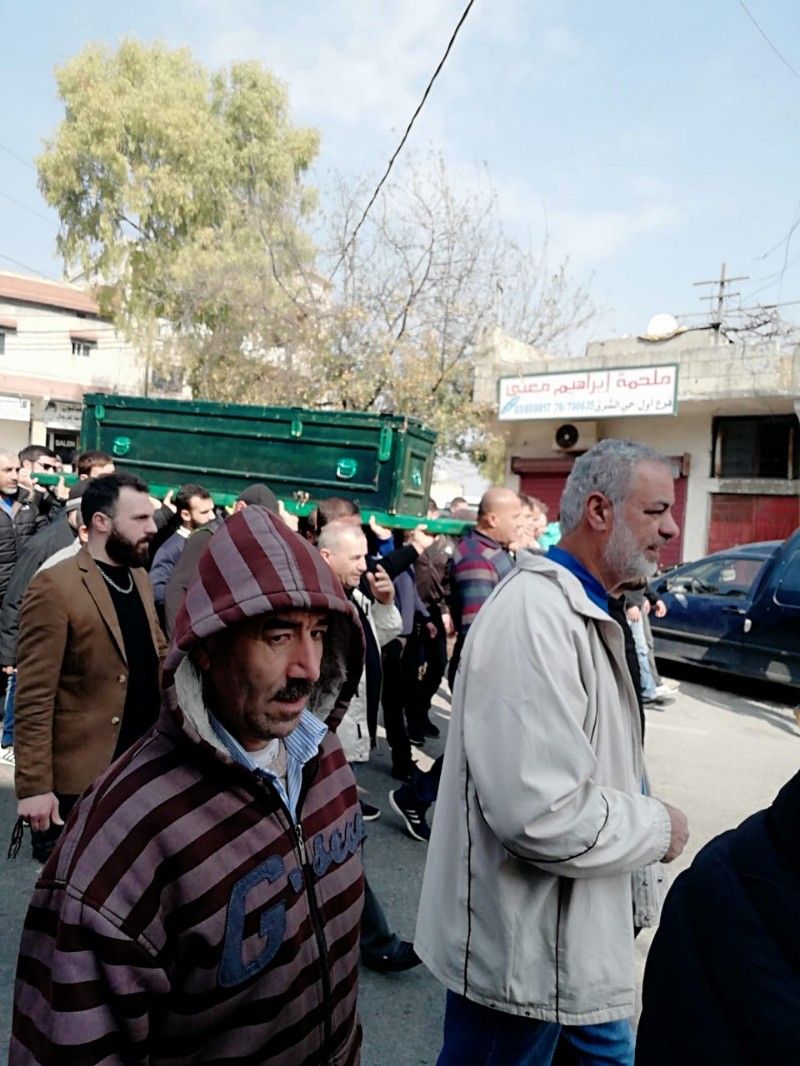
x=254, y=565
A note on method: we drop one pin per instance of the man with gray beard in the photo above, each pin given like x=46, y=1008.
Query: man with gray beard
x=545, y=845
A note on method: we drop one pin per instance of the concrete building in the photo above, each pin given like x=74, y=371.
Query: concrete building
x=54, y=347
x=725, y=413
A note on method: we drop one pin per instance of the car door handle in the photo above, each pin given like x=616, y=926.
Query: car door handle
x=735, y=610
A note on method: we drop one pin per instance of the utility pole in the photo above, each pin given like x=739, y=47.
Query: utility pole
x=722, y=294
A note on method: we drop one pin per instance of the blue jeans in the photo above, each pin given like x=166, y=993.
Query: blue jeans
x=475, y=1035
x=8, y=711
x=648, y=685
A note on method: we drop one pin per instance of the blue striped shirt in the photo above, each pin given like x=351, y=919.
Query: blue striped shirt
x=302, y=744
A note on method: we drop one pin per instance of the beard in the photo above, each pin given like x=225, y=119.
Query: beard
x=623, y=557
x=126, y=552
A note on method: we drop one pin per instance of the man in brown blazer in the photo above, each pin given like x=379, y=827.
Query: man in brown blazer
x=89, y=658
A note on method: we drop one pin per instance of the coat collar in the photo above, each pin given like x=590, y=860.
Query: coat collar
x=609, y=629
x=567, y=582
x=98, y=589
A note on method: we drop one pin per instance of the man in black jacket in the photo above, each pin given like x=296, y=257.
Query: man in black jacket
x=49, y=540
x=18, y=515
x=722, y=983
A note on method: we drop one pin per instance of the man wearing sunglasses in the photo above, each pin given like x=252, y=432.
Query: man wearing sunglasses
x=48, y=499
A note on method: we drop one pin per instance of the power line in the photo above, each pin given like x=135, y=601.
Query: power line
x=19, y=158
x=404, y=138
x=31, y=210
x=774, y=47
x=33, y=270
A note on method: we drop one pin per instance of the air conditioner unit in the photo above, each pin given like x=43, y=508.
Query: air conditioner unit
x=575, y=437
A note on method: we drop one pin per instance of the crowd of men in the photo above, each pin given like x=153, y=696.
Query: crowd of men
x=189, y=694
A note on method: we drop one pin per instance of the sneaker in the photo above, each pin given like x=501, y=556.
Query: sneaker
x=658, y=703
x=417, y=739
x=368, y=812
x=413, y=816
x=666, y=690
x=7, y=756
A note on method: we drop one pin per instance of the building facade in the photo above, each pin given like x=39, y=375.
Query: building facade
x=725, y=413
x=54, y=348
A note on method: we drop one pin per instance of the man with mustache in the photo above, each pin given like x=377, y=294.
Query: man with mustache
x=544, y=840
x=203, y=904
x=88, y=658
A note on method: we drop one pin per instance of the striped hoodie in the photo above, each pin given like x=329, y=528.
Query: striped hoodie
x=186, y=916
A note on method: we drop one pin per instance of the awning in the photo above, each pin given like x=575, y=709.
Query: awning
x=7, y=323
x=80, y=335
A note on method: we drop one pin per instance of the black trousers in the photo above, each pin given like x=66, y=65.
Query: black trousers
x=377, y=939
x=398, y=677
x=432, y=652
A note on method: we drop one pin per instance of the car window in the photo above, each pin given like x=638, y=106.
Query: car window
x=718, y=577
x=788, y=591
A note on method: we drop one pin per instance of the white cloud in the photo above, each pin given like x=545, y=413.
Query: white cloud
x=362, y=66
x=590, y=235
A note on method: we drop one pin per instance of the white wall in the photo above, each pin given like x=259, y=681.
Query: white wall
x=678, y=436
x=41, y=348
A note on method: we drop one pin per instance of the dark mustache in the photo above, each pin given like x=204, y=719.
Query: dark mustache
x=295, y=689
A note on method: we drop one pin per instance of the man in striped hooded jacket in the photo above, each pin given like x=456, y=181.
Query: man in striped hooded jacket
x=203, y=904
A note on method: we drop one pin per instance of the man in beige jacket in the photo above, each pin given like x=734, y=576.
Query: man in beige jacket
x=543, y=835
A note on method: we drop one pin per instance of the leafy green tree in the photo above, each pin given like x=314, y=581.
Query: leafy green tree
x=181, y=193
x=157, y=170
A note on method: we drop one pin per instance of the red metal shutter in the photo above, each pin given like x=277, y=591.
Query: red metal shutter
x=744, y=519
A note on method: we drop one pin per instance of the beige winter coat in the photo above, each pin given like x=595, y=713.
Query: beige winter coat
x=527, y=902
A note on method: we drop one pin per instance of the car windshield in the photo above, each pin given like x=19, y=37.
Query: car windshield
x=718, y=577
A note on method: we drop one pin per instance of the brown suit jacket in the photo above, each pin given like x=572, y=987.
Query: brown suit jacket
x=72, y=677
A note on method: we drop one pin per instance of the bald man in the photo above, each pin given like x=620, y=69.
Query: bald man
x=481, y=560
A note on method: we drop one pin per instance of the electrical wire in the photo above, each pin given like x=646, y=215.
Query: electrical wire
x=404, y=138
x=31, y=210
x=774, y=47
x=19, y=158
x=33, y=270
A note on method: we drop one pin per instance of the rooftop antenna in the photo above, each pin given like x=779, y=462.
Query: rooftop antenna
x=722, y=294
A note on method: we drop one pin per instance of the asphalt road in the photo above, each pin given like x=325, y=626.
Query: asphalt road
x=718, y=754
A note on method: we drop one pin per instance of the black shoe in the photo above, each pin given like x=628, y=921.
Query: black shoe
x=413, y=816
x=368, y=812
x=417, y=738
x=402, y=958
x=402, y=773
x=429, y=729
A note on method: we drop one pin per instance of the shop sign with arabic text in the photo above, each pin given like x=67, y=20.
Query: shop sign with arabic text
x=626, y=391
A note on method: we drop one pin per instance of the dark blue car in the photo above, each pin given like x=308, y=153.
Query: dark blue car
x=736, y=610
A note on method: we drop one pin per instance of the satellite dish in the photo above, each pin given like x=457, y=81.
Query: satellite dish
x=567, y=435
x=662, y=326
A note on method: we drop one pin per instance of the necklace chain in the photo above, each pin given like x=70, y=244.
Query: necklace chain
x=114, y=585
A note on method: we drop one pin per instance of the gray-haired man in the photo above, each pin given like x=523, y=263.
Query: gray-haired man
x=541, y=820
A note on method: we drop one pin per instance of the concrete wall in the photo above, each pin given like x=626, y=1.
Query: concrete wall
x=688, y=435
x=40, y=349
x=713, y=379
x=38, y=363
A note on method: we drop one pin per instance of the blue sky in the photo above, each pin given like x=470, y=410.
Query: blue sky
x=654, y=141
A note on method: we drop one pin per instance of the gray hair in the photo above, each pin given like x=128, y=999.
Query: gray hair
x=333, y=533
x=607, y=468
